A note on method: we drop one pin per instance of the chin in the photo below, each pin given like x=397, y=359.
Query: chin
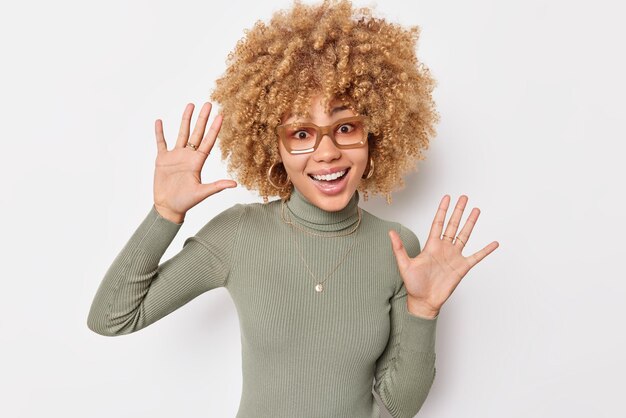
x=330, y=202
x=331, y=197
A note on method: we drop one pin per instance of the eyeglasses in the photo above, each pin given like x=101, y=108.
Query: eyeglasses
x=304, y=137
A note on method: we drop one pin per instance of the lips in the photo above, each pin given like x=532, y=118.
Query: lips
x=328, y=171
x=331, y=187
x=330, y=177
x=333, y=174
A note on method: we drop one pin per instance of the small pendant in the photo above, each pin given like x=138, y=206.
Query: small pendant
x=319, y=287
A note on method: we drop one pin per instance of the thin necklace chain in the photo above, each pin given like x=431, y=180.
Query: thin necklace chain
x=319, y=287
x=289, y=222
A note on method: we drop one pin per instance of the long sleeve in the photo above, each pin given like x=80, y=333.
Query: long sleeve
x=136, y=291
x=406, y=370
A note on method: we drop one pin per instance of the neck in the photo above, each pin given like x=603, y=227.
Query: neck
x=300, y=210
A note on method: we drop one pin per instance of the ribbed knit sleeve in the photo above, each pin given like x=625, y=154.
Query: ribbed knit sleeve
x=136, y=291
x=406, y=370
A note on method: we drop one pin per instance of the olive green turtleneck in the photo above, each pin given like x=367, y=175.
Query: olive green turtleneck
x=304, y=353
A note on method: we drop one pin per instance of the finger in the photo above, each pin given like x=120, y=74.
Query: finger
x=455, y=219
x=479, y=255
x=440, y=217
x=183, y=133
x=209, y=189
x=198, y=131
x=402, y=258
x=160, y=138
x=466, y=232
x=207, y=143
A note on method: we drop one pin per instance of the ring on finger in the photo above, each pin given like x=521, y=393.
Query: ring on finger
x=450, y=238
x=459, y=239
x=190, y=145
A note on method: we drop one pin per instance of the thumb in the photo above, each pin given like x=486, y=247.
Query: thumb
x=209, y=189
x=402, y=258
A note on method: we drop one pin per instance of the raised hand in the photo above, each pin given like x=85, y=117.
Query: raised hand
x=177, y=183
x=431, y=277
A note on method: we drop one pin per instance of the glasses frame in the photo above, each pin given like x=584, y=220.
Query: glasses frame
x=320, y=132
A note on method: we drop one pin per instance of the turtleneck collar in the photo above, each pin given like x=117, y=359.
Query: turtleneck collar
x=306, y=214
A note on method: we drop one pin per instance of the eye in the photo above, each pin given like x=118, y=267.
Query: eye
x=348, y=125
x=299, y=133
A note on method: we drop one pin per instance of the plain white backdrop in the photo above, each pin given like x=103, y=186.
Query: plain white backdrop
x=531, y=96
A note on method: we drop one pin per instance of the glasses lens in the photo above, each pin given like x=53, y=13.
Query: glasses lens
x=299, y=137
x=303, y=136
x=349, y=132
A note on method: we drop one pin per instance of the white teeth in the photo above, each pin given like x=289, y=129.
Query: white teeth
x=329, y=176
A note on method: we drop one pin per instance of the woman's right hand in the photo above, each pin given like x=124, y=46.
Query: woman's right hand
x=177, y=183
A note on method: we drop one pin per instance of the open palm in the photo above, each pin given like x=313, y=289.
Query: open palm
x=431, y=277
x=177, y=182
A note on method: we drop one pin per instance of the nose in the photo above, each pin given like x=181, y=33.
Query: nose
x=326, y=150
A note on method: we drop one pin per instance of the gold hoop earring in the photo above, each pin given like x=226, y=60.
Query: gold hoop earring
x=269, y=177
x=370, y=171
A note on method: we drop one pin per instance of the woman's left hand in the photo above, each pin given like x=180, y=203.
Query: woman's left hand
x=431, y=277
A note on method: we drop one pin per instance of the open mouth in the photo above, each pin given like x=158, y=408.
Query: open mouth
x=330, y=178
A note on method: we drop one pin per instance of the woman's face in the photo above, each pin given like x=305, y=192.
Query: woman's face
x=327, y=158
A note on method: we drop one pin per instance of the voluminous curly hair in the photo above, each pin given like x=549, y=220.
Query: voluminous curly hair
x=343, y=53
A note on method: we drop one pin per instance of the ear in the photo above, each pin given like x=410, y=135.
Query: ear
x=280, y=149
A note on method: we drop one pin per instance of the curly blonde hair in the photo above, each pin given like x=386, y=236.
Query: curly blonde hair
x=343, y=53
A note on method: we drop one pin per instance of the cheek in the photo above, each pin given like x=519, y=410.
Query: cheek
x=294, y=163
x=361, y=157
x=361, y=160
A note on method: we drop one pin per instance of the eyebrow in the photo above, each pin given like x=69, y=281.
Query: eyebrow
x=338, y=109
x=332, y=112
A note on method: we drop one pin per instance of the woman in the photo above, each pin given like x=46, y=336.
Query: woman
x=333, y=302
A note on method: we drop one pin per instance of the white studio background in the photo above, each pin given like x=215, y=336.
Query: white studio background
x=531, y=97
